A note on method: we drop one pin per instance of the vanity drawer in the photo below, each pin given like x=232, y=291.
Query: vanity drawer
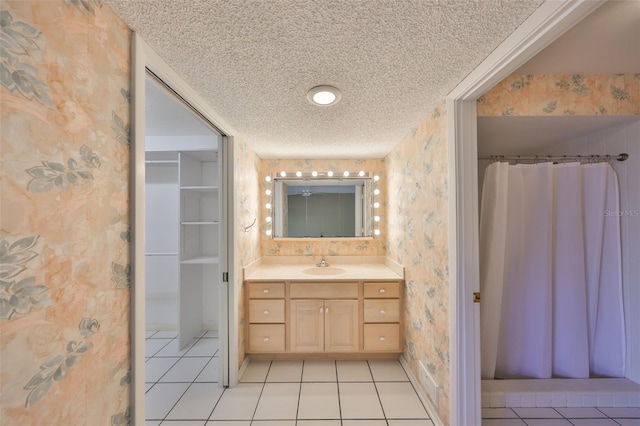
x=381, y=310
x=382, y=337
x=266, y=338
x=266, y=311
x=382, y=290
x=323, y=290
x=266, y=290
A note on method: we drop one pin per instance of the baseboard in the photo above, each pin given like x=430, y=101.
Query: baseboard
x=431, y=410
x=243, y=367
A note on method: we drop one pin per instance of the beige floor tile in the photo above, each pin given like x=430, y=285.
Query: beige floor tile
x=537, y=413
x=278, y=401
x=273, y=423
x=503, y=422
x=319, y=401
x=319, y=371
x=161, y=398
x=185, y=370
x=580, y=412
x=359, y=401
x=197, y=402
x=285, y=371
x=364, y=423
x=238, y=403
x=622, y=412
x=318, y=423
x=184, y=422
x=399, y=401
x=498, y=413
x=228, y=423
x=424, y=422
x=592, y=422
x=256, y=371
x=548, y=422
x=353, y=371
x=388, y=371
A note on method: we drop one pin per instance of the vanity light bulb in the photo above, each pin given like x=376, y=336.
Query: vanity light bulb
x=375, y=205
x=314, y=173
x=268, y=178
x=361, y=174
x=376, y=191
x=376, y=218
x=376, y=178
x=283, y=174
x=269, y=219
x=346, y=174
x=376, y=232
x=268, y=192
x=298, y=173
x=329, y=173
x=268, y=232
x=268, y=206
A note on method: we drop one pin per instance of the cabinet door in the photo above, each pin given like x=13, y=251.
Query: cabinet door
x=341, y=325
x=307, y=326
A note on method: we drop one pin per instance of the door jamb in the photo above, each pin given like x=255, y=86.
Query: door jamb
x=143, y=57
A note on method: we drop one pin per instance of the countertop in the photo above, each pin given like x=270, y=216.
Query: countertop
x=349, y=268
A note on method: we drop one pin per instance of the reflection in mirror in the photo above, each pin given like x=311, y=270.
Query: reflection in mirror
x=320, y=206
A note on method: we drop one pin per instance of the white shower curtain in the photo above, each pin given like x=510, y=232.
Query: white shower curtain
x=550, y=272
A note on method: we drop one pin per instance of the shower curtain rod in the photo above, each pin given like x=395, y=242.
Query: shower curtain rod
x=556, y=158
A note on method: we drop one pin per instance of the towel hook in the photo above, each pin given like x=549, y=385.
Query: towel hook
x=246, y=228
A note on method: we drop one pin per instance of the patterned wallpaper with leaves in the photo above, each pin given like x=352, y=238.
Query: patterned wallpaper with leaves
x=563, y=94
x=247, y=207
x=418, y=239
x=64, y=224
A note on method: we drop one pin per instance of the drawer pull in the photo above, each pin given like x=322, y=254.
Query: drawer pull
x=266, y=339
x=265, y=291
x=382, y=338
x=382, y=312
x=266, y=312
x=382, y=291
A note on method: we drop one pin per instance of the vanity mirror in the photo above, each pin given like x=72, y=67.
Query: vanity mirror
x=322, y=205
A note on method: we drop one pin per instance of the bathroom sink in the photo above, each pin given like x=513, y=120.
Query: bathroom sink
x=323, y=271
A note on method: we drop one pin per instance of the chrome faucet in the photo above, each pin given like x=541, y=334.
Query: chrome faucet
x=323, y=263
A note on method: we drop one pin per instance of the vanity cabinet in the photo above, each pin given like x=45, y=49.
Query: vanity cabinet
x=316, y=318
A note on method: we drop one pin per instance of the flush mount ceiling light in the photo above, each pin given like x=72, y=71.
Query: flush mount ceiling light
x=324, y=96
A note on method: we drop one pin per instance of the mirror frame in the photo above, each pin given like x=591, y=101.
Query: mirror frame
x=371, y=221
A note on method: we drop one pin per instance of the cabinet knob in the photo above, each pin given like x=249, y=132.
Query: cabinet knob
x=265, y=291
x=266, y=339
x=382, y=291
x=320, y=309
x=382, y=312
x=266, y=312
x=382, y=338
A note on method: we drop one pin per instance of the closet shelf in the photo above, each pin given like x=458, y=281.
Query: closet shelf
x=161, y=162
x=161, y=254
x=199, y=188
x=201, y=260
x=208, y=222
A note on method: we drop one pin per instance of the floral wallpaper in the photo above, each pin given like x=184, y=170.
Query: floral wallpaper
x=563, y=94
x=247, y=207
x=418, y=227
x=335, y=247
x=64, y=223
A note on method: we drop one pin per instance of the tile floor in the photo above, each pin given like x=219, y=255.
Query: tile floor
x=182, y=390
x=567, y=416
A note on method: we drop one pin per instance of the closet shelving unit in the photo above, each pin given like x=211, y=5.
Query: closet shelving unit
x=182, y=239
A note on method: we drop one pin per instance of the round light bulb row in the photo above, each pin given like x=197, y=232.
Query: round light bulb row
x=330, y=173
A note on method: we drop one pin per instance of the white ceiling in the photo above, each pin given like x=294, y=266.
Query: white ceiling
x=254, y=61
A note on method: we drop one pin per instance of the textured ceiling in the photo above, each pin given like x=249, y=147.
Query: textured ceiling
x=255, y=60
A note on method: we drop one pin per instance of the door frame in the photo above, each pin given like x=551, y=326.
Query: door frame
x=143, y=58
x=552, y=19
